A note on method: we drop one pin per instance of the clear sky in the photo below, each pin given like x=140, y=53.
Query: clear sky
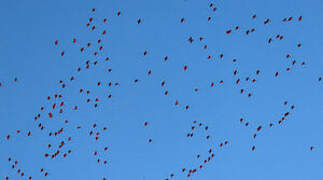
x=29, y=29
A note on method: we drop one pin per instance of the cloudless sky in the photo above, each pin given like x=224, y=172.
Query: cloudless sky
x=27, y=33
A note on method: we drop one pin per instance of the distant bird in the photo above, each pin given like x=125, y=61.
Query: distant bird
x=311, y=148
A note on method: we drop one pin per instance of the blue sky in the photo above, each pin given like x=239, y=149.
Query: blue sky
x=27, y=51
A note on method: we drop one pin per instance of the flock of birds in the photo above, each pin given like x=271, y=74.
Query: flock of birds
x=57, y=103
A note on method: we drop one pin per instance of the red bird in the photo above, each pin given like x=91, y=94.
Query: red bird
x=294, y=62
x=190, y=40
x=258, y=128
x=300, y=18
x=269, y=41
x=266, y=21
x=276, y=74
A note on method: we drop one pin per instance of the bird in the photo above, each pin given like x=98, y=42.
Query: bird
x=300, y=18
x=190, y=40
